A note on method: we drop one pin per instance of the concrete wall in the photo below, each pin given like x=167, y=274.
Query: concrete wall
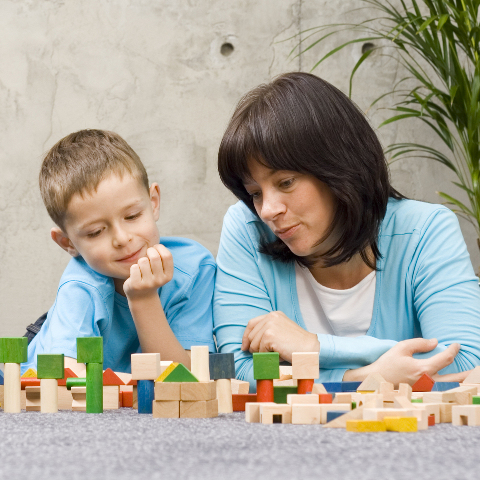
x=155, y=72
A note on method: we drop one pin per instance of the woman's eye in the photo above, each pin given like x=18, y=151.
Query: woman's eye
x=255, y=195
x=287, y=183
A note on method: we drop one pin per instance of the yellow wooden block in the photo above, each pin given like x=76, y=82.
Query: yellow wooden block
x=401, y=424
x=366, y=426
x=166, y=372
x=30, y=373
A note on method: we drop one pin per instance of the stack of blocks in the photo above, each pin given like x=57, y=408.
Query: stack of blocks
x=50, y=370
x=222, y=370
x=90, y=352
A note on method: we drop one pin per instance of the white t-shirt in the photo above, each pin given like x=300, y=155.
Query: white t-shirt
x=344, y=313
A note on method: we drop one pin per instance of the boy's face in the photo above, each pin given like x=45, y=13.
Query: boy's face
x=112, y=227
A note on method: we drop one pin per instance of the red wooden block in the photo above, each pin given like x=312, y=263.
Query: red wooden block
x=325, y=398
x=132, y=382
x=423, y=384
x=67, y=374
x=110, y=378
x=431, y=420
x=304, y=386
x=265, y=391
x=127, y=399
x=29, y=382
x=239, y=401
x=120, y=399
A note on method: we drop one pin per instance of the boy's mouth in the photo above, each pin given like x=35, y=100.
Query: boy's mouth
x=131, y=257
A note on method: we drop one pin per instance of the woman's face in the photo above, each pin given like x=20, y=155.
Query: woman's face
x=298, y=208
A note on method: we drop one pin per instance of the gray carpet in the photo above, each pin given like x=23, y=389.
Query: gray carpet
x=124, y=445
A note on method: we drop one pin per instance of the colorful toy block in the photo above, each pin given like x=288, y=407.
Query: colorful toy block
x=266, y=366
x=90, y=350
x=13, y=350
x=67, y=373
x=240, y=400
x=30, y=373
x=177, y=372
x=341, y=422
x=444, y=386
x=200, y=363
x=1, y=378
x=280, y=393
x=365, y=426
x=221, y=365
x=475, y=399
x=50, y=366
x=332, y=415
x=265, y=391
x=325, y=397
x=75, y=382
x=145, y=366
x=431, y=420
x=337, y=387
x=401, y=424
x=94, y=387
x=304, y=386
x=305, y=365
x=146, y=395
x=329, y=407
x=29, y=382
x=110, y=378
x=423, y=384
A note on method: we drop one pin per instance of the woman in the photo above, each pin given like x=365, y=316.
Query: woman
x=322, y=254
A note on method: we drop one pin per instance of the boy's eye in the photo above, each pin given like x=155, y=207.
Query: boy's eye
x=96, y=233
x=133, y=217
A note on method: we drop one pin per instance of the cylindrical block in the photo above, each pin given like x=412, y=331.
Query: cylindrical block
x=200, y=363
x=224, y=395
x=94, y=387
x=146, y=395
x=265, y=391
x=76, y=382
x=49, y=395
x=12, y=388
x=304, y=386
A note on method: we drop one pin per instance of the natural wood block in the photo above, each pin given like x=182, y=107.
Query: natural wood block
x=304, y=414
x=473, y=376
x=32, y=399
x=305, y=365
x=446, y=412
x=402, y=402
x=145, y=366
x=193, y=391
x=270, y=413
x=342, y=398
x=169, y=391
x=240, y=387
x=124, y=377
x=365, y=426
x=405, y=390
x=371, y=383
x=463, y=394
x=401, y=424
x=381, y=413
x=438, y=397
x=200, y=363
x=311, y=398
x=430, y=409
x=319, y=389
x=79, y=399
x=252, y=411
x=64, y=398
x=224, y=395
x=385, y=388
x=202, y=409
x=422, y=419
x=111, y=397
x=285, y=383
x=166, y=409
x=285, y=372
x=326, y=407
x=468, y=415
x=12, y=388
x=49, y=394
x=371, y=400
x=2, y=389
x=23, y=400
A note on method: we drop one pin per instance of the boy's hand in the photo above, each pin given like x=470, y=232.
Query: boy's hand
x=150, y=273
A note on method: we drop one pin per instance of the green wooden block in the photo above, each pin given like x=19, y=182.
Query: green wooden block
x=180, y=374
x=354, y=405
x=13, y=349
x=94, y=387
x=76, y=382
x=266, y=366
x=476, y=400
x=50, y=365
x=90, y=350
x=280, y=393
x=417, y=400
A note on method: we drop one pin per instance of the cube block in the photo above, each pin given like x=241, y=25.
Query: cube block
x=166, y=409
x=280, y=393
x=90, y=350
x=266, y=366
x=145, y=366
x=50, y=366
x=13, y=349
x=305, y=365
x=222, y=365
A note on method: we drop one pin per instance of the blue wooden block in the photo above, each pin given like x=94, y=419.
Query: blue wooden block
x=442, y=386
x=333, y=387
x=350, y=386
x=1, y=377
x=334, y=414
x=145, y=395
x=222, y=365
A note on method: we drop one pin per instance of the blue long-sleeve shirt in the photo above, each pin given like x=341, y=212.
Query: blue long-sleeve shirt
x=425, y=287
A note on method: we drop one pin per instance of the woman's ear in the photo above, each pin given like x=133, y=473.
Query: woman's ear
x=155, y=200
x=61, y=239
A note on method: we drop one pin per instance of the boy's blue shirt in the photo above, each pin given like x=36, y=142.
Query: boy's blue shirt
x=87, y=305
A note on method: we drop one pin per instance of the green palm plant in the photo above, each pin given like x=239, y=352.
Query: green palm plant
x=437, y=41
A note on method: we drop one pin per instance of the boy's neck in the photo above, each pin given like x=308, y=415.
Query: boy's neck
x=118, y=282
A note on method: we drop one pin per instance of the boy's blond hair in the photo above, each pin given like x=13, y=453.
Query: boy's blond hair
x=79, y=162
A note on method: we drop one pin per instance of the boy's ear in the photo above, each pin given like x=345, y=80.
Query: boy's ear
x=61, y=239
x=155, y=199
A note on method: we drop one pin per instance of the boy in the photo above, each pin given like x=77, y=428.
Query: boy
x=122, y=284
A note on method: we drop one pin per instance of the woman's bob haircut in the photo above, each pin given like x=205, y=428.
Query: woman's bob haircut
x=301, y=123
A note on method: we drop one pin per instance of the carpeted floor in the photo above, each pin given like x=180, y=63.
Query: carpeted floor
x=124, y=445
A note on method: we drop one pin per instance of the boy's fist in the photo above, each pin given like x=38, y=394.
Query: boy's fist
x=150, y=273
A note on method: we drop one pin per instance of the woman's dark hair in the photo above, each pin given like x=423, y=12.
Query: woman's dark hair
x=300, y=122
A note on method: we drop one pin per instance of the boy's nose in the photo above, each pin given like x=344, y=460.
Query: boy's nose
x=120, y=237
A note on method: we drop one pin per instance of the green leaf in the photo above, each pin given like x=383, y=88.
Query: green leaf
x=426, y=24
x=355, y=68
x=457, y=203
x=442, y=20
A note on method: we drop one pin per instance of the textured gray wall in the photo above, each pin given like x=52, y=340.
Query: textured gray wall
x=153, y=71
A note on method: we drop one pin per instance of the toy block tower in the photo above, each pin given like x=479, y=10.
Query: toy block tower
x=50, y=368
x=222, y=370
x=145, y=369
x=90, y=352
x=13, y=352
x=305, y=369
x=266, y=368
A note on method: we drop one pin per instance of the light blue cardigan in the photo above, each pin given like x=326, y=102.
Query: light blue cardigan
x=425, y=287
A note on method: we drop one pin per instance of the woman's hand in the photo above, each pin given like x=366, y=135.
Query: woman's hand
x=398, y=365
x=275, y=332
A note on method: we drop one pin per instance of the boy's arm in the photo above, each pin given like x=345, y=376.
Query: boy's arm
x=141, y=289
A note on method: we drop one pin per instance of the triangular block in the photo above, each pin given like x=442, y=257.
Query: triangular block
x=110, y=378
x=423, y=384
x=166, y=372
x=371, y=383
x=30, y=373
x=67, y=374
x=180, y=374
x=473, y=376
x=341, y=422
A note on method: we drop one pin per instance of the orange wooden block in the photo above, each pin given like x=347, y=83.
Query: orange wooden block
x=239, y=401
x=29, y=382
x=265, y=391
x=305, y=386
x=110, y=378
x=127, y=399
x=431, y=420
x=423, y=384
x=325, y=398
x=120, y=399
x=68, y=373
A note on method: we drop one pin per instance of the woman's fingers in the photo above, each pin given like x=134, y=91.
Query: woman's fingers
x=443, y=359
x=247, y=333
x=418, y=345
x=451, y=377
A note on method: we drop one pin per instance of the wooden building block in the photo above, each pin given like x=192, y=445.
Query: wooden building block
x=29, y=382
x=170, y=391
x=305, y=399
x=304, y=414
x=385, y=388
x=75, y=382
x=349, y=387
x=127, y=399
x=49, y=394
x=95, y=387
x=444, y=386
x=67, y=373
x=126, y=377
x=111, y=397
x=135, y=396
x=285, y=383
x=371, y=383
x=325, y=397
x=32, y=400
x=305, y=365
x=240, y=387
x=468, y=415
x=275, y=413
x=464, y=394
x=2, y=390
x=304, y=386
x=222, y=365
x=281, y=392
x=324, y=408
x=266, y=366
x=423, y=384
x=318, y=388
x=341, y=422
x=64, y=398
x=285, y=372
x=50, y=366
x=252, y=411
x=370, y=400
x=402, y=402
x=90, y=350
x=401, y=424
x=79, y=399
x=332, y=415
x=200, y=364
x=431, y=420
x=166, y=409
x=12, y=387
x=473, y=376
x=30, y=373
x=110, y=378
x=193, y=391
x=405, y=390
x=23, y=400
x=202, y=409
x=430, y=409
x=446, y=412
x=179, y=373
x=342, y=398
x=265, y=392
x=146, y=396
x=224, y=395
x=381, y=413
x=145, y=366
x=239, y=401
x=439, y=397
x=13, y=350
x=365, y=426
